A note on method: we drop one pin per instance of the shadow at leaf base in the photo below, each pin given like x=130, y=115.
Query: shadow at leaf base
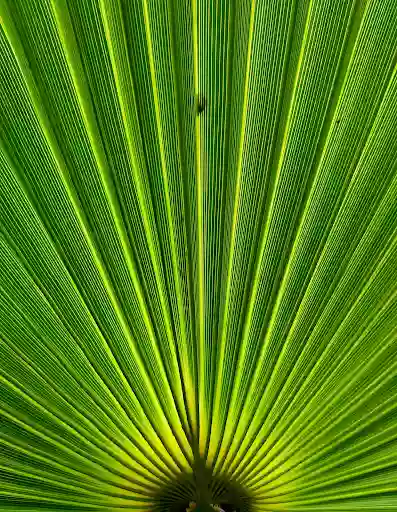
x=177, y=494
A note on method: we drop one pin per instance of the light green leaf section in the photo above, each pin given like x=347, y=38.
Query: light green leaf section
x=198, y=253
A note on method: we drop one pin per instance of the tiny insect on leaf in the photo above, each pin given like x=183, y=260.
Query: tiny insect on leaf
x=200, y=104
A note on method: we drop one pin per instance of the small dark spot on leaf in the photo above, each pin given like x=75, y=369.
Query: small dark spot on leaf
x=200, y=104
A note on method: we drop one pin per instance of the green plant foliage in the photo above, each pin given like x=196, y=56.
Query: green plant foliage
x=198, y=255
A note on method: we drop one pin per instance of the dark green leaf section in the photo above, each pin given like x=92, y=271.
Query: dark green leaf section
x=198, y=254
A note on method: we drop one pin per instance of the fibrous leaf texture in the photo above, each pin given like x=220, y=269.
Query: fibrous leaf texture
x=198, y=255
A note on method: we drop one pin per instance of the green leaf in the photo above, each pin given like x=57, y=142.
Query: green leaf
x=198, y=255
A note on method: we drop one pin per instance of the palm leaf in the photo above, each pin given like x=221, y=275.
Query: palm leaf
x=198, y=255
